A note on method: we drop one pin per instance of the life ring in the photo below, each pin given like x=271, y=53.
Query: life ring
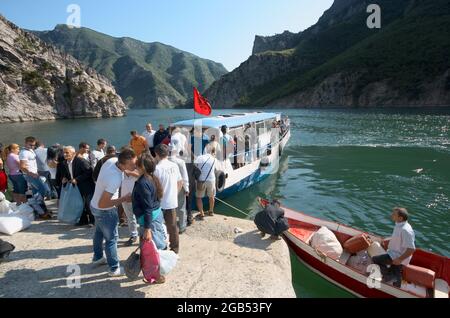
x=220, y=181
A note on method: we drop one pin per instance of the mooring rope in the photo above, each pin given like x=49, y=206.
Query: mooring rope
x=233, y=207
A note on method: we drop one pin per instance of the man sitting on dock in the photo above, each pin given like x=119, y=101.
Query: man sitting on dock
x=400, y=250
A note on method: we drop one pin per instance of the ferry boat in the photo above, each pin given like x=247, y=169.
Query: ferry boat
x=259, y=138
x=427, y=275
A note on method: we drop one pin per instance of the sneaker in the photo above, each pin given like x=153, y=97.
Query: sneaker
x=117, y=273
x=131, y=241
x=100, y=262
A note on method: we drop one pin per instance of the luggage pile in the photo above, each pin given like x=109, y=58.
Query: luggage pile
x=14, y=218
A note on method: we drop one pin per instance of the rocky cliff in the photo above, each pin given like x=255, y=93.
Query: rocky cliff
x=279, y=42
x=38, y=82
x=146, y=75
x=341, y=62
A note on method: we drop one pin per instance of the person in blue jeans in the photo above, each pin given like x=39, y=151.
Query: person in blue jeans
x=29, y=168
x=146, y=197
x=104, y=208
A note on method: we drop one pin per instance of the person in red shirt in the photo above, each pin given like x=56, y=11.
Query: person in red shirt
x=3, y=178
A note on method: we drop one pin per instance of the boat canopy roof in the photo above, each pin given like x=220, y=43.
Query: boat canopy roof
x=232, y=120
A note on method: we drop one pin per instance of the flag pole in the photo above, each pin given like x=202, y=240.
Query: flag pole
x=193, y=101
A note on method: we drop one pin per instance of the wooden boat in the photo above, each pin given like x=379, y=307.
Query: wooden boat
x=435, y=267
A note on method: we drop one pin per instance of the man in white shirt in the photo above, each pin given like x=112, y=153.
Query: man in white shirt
x=181, y=209
x=104, y=207
x=206, y=184
x=149, y=135
x=179, y=142
x=43, y=168
x=400, y=250
x=29, y=168
x=85, y=153
x=99, y=153
x=169, y=175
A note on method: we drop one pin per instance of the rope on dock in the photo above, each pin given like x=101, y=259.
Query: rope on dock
x=233, y=207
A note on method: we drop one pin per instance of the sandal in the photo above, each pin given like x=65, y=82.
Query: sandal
x=200, y=217
x=210, y=213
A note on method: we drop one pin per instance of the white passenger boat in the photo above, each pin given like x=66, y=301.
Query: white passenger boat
x=259, y=142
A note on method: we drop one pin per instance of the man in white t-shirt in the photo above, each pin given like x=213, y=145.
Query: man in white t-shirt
x=29, y=168
x=104, y=207
x=400, y=250
x=149, y=135
x=169, y=175
x=206, y=184
x=99, y=152
x=181, y=209
x=84, y=151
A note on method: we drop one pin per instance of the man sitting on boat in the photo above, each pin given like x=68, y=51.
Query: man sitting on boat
x=272, y=221
x=400, y=249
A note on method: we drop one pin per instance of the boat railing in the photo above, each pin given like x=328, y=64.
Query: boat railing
x=258, y=151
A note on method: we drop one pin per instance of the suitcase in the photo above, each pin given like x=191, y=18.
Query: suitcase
x=357, y=244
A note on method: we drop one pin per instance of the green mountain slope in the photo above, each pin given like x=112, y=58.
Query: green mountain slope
x=146, y=75
x=341, y=62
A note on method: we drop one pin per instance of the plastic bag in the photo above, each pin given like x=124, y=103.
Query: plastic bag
x=150, y=261
x=168, y=261
x=4, y=204
x=36, y=202
x=5, y=249
x=24, y=211
x=325, y=241
x=133, y=265
x=13, y=207
x=71, y=204
x=10, y=225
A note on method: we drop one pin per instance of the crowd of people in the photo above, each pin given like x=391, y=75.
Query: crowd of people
x=146, y=185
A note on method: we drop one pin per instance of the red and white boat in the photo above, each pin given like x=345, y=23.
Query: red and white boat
x=428, y=274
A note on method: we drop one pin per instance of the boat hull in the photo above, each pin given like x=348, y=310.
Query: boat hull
x=254, y=173
x=335, y=276
x=338, y=272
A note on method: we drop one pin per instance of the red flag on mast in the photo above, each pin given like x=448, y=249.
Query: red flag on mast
x=201, y=104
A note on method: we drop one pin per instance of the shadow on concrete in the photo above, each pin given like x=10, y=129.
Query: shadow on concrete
x=253, y=240
x=53, y=282
x=69, y=232
x=49, y=253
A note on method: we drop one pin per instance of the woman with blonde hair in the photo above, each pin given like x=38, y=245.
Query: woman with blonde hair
x=12, y=162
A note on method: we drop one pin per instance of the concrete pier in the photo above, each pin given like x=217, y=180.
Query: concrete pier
x=219, y=257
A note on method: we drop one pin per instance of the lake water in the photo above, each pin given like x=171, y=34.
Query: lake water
x=351, y=166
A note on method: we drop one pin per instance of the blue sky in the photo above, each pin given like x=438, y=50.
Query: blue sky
x=220, y=30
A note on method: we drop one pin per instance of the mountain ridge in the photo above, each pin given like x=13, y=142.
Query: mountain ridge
x=171, y=73
x=316, y=67
x=39, y=82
